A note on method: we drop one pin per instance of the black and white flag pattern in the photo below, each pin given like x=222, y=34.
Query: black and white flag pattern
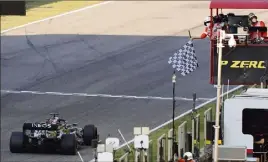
x=184, y=60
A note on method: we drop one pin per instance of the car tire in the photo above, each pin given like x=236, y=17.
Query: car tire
x=68, y=144
x=89, y=133
x=16, y=143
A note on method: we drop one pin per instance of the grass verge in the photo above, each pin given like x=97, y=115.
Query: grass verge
x=37, y=10
x=158, y=133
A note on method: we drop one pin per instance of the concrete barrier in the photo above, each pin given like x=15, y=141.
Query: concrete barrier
x=196, y=135
x=150, y=152
x=184, y=114
x=182, y=133
x=170, y=145
x=207, y=117
x=161, y=148
x=136, y=155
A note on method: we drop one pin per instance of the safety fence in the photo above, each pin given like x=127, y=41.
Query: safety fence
x=191, y=136
x=194, y=133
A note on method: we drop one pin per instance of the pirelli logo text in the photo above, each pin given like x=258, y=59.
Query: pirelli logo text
x=243, y=64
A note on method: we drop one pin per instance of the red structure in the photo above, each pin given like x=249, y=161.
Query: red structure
x=246, y=62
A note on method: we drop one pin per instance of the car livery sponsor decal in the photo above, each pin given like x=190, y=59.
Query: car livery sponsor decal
x=244, y=64
x=41, y=125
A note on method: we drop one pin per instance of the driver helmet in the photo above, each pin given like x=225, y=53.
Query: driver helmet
x=188, y=156
x=207, y=21
x=252, y=18
x=54, y=120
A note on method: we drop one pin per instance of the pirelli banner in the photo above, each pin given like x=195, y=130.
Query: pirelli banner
x=243, y=65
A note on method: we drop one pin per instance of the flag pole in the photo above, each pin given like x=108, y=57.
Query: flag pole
x=190, y=65
x=173, y=115
x=217, y=122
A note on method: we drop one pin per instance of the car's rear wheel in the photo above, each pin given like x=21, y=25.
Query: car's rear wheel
x=16, y=143
x=69, y=144
x=89, y=133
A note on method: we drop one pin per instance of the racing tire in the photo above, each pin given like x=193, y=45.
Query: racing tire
x=16, y=143
x=89, y=133
x=68, y=144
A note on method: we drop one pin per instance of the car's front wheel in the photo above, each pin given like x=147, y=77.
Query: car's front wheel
x=89, y=133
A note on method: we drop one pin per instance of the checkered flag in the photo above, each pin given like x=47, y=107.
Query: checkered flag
x=184, y=60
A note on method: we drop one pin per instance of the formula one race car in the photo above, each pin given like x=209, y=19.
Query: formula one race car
x=54, y=132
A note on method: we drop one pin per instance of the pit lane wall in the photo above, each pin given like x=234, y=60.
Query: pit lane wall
x=191, y=132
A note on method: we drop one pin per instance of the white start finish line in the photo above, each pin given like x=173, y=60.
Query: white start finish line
x=100, y=95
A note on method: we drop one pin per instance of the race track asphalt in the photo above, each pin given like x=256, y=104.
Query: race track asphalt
x=120, y=48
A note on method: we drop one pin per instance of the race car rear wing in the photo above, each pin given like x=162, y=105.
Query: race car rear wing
x=39, y=126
